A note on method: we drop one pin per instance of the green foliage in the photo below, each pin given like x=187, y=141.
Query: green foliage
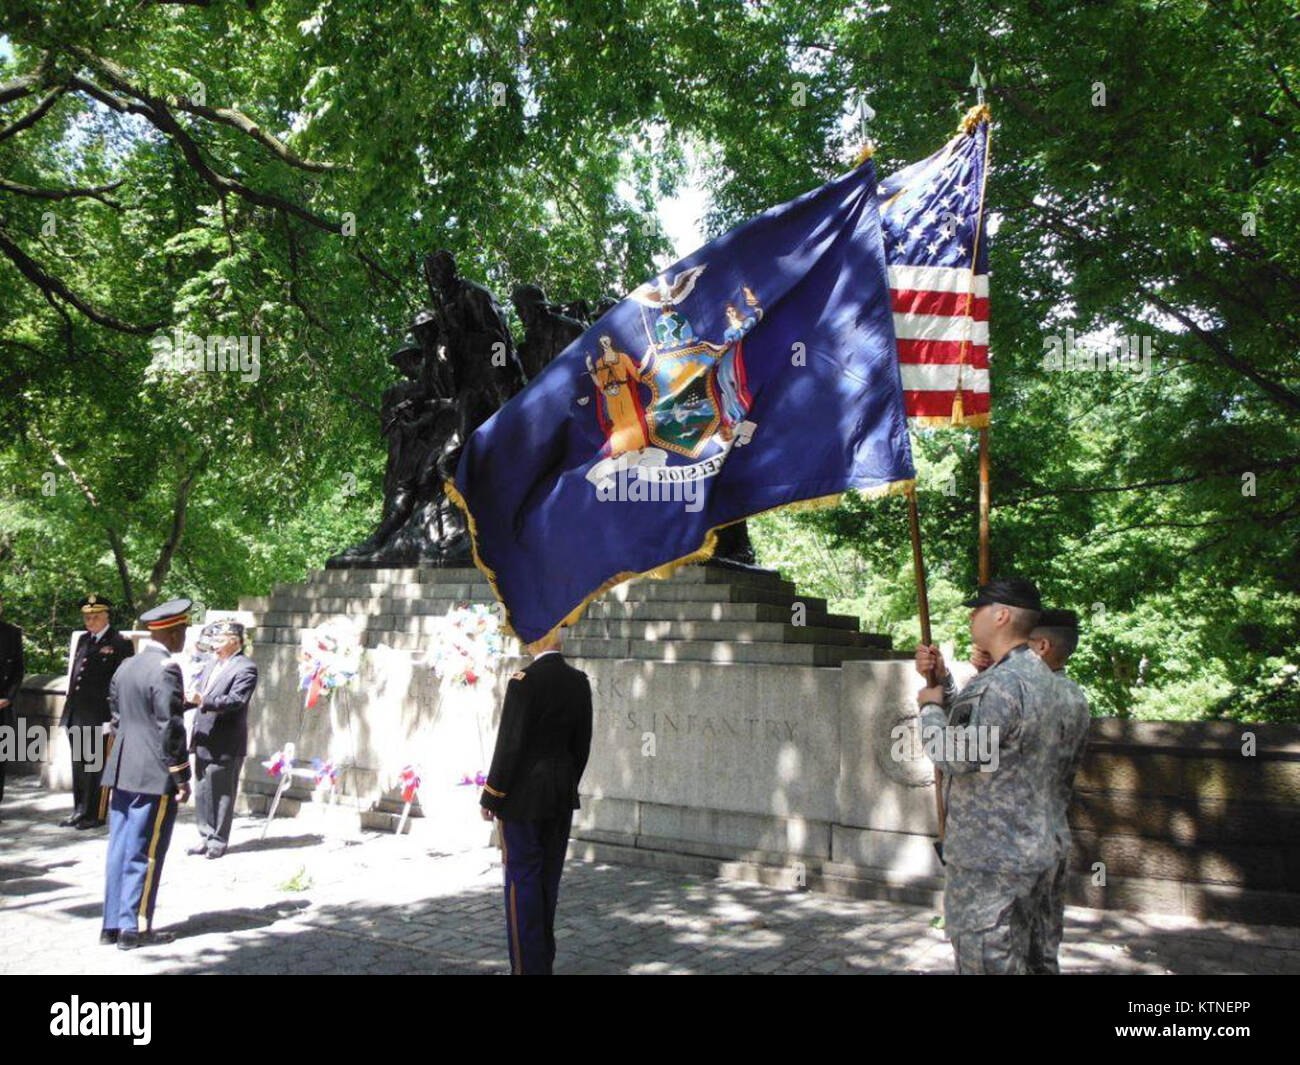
x=1144, y=184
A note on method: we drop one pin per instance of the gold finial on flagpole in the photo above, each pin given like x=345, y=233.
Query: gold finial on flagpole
x=980, y=112
x=865, y=115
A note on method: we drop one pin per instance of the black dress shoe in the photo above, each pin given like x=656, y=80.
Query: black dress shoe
x=213, y=853
x=200, y=848
x=107, y=937
x=71, y=822
x=81, y=826
x=131, y=940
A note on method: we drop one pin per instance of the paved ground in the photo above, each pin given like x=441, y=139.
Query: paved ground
x=370, y=903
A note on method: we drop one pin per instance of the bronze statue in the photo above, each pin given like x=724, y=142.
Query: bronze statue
x=579, y=310
x=547, y=331
x=461, y=367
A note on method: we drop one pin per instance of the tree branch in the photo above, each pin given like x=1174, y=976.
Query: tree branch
x=228, y=116
x=1165, y=482
x=95, y=192
x=34, y=115
x=52, y=286
x=180, y=505
x=157, y=112
x=114, y=539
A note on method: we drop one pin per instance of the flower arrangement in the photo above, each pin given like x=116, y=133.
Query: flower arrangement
x=475, y=781
x=467, y=644
x=327, y=773
x=331, y=656
x=410, y=780
x=279, y=763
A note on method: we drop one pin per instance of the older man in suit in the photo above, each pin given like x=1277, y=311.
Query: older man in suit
x=149, y=772
x=100, y=650
x=220, y=738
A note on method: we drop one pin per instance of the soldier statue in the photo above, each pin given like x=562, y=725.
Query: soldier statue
x=547, y=331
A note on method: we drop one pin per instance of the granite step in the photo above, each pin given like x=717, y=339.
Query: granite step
x=662, y=628
x=430, y=575
x=740, y=631
x=713, y=611
x=303, y=600
x=698, y=650
x=721, y=651
x=425, y=617
x=397, y=575
x=671, y=592
x=329, y=606
x=396, y=590
x=474, y=586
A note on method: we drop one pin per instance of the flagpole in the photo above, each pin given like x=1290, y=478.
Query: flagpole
x=984, y=504
x=970, y=294
x=923, y=608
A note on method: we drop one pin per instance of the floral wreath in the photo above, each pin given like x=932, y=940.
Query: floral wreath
x=467, y=644
x=331, y=656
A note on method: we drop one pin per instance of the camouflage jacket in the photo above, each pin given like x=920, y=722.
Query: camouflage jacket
x=1072, y=744
x=1001, y=763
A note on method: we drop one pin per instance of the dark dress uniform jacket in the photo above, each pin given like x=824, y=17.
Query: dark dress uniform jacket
x=149, y=754
x=221, y=725
x=93, y=666
x=542, y=743
x=11, y=666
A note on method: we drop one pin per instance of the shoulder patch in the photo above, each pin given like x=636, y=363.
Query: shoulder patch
x=519, y=676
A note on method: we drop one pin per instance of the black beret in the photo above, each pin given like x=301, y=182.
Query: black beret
x=1013, y=591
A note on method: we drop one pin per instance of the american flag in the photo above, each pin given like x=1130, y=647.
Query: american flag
x=937, y=253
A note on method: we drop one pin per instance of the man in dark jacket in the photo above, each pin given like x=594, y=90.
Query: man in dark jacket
x=532, y=790
x=100, y=650
x=220, y=738
x=149, y=772
x=11, y=678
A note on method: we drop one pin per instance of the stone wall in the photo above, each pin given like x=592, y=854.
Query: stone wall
x=784, y=773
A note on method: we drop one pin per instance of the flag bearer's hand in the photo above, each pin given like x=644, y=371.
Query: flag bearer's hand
x=929, y=662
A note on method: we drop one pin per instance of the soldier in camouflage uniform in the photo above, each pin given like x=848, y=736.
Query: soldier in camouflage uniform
x=1054, y=639
x=1001, y=842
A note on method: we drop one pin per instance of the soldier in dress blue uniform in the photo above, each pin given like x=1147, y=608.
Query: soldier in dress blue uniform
x=532, y=790
x=100, y=650
x=149, y=772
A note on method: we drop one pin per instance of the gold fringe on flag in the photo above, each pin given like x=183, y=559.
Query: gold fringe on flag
x=701, y=554
x=977, y=114
x=865, y=153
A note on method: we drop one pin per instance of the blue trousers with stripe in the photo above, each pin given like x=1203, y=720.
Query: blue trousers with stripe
x=532, y=854
x=139, y=831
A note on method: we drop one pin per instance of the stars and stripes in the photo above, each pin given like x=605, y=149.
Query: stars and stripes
x=937, y=254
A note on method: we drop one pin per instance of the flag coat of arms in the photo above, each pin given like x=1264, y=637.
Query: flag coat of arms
x=932, y=214
x=759, y=371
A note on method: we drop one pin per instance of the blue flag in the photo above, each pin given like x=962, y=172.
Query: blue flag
x=756, y=372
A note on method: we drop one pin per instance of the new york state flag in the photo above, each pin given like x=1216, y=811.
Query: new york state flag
x=757, y=372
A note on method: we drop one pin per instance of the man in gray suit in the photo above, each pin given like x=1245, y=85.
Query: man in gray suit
x=220, y=739
x=149, y=772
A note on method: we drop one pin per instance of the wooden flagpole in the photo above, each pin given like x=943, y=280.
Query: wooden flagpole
x=977, y=80
x=984, y=505
x=923, y=608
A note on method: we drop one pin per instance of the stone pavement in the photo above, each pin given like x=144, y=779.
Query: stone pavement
x=370, y=903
